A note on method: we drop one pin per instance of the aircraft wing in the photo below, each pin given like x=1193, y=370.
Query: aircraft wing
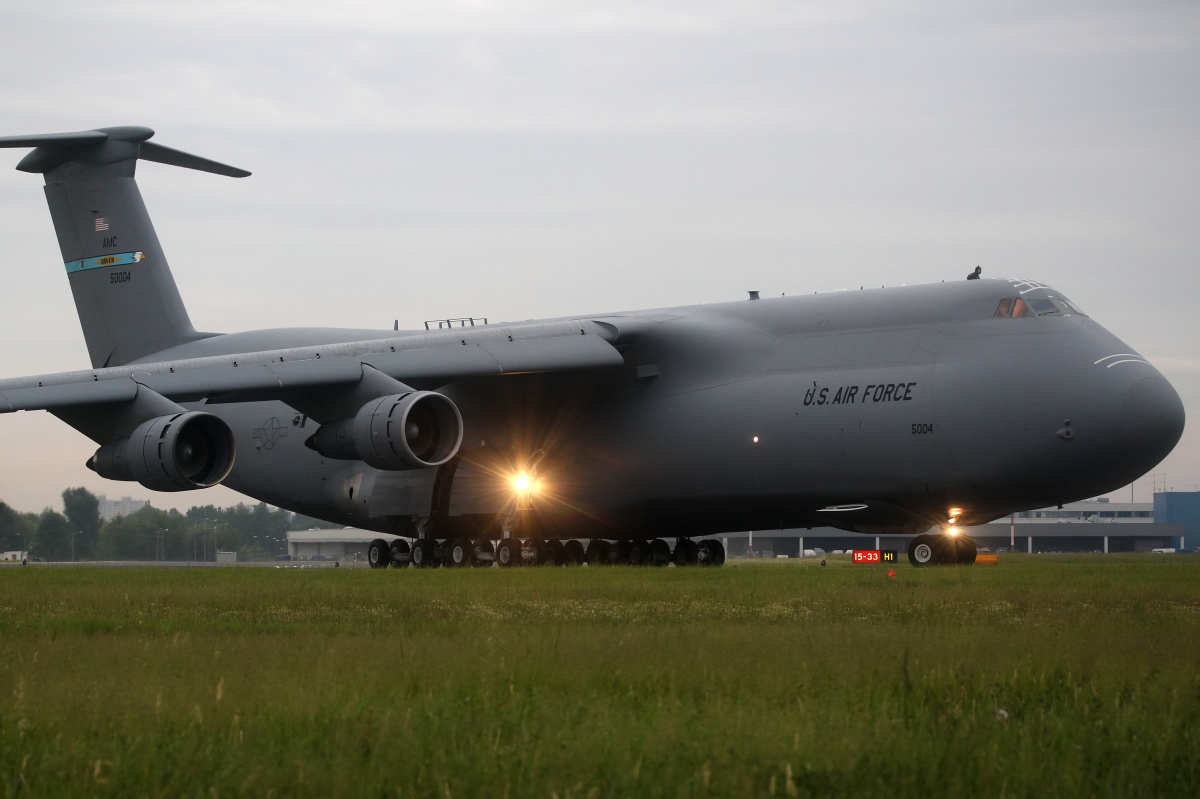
x=441, y=356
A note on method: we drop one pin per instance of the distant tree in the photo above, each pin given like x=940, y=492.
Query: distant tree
x=16, y=532
x=128, y=538
x=52, y=540
x=82, y=510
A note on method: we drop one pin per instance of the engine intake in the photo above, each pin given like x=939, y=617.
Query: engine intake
x=400, y=431
x=179, y=452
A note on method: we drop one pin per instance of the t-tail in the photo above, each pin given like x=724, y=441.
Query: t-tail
x=128, y=304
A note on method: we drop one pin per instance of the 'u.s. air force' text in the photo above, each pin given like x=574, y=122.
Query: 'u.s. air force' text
x=886, y=392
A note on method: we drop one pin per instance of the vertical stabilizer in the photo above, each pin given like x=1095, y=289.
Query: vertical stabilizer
x=128, y=304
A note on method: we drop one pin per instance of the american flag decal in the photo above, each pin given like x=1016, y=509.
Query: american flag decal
x=101, y=224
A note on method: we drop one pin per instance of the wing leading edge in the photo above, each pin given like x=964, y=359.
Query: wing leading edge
x=272, y=374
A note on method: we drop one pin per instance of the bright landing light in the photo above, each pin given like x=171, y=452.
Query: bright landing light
x=522, y=483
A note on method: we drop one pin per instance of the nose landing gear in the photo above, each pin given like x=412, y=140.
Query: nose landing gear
x=941, y=550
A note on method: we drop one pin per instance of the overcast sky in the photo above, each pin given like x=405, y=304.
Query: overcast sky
x=417, y=160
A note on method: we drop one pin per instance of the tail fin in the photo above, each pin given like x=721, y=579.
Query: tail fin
x=128, y=304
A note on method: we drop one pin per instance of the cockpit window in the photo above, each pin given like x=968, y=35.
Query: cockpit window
x=1043, y=307
x=1036, y=306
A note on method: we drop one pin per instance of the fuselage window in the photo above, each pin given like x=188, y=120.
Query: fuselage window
x=1004, y=308
x=1020, y=308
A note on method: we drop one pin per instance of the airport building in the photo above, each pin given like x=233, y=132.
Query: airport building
x=347, y=545
x=1098, y=525
x=125, y=506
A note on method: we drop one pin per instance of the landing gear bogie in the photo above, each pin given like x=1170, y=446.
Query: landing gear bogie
x=401, y=553
x=573, y=553
x=942, y=550
x=379, y=554
x=457, y=553
x=424, y=554
x=599, y=553
x=711, y=553
x=508, y=553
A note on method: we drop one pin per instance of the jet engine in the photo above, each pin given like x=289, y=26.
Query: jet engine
x=178, y=452
x=400, y=431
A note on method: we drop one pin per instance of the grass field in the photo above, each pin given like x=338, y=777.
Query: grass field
x=1044, y=676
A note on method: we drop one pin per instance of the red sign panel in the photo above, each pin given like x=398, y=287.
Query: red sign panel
x=873, y=556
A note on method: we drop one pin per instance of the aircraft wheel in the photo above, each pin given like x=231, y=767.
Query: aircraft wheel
x=923, y=551
x=542, y=554
x=711, y=553
x=508, y=552
x=619, y=553
x=639, y=553
x=378, y=554
x=573, y=553
x=458, y=552
x=422, y=553
x=482, y=552
x=401, y=553
x=599, y=552
x=660, y=552
x=558, y=552
x=687, y=552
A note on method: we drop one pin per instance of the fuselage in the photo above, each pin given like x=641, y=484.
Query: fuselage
x=877, y=410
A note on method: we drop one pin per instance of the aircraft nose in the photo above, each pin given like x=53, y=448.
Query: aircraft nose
x=1152, y=420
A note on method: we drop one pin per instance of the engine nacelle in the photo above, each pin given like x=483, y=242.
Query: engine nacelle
x=179, y=452
x=400, y=431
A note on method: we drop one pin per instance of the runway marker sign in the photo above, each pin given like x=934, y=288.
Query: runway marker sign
x=873, y=556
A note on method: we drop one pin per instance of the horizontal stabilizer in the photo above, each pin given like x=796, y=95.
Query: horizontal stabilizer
x=167, y=155
x=108, y=146
x=54, y=139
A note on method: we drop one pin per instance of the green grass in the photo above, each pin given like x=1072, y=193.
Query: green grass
x=1045, y=676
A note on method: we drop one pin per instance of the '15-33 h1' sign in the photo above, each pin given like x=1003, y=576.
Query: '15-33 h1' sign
x=874, y=556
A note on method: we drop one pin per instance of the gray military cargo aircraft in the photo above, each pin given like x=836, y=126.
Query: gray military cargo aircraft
x=895, y=410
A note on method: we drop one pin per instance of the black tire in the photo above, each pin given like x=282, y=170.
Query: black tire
x=599, y=552
x=401, y=553
x=557, y=551
x=483, y=552
x=717, y=550
x=379, y=555
x=639, y=553
x=508, y=553
x=458, y=553
x=687, y=552
x=924, y=551
x=712, y=553
x=620, y=552
x=573, y=553
x=423, y=550
x=543, y=555
x=660, y=552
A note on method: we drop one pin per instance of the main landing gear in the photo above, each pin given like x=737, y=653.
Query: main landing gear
x=456, y=552
x=941, y=550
